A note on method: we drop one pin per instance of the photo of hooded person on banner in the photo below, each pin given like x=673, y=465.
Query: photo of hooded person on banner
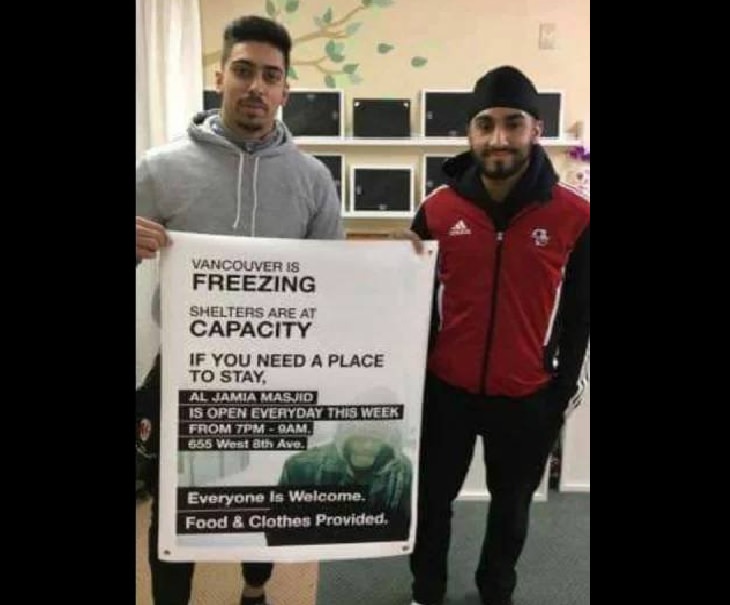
x=366, y=454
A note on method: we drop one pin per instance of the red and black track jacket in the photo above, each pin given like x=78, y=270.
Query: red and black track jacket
x=512, y=299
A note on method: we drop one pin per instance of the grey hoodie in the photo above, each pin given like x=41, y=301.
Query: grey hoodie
x=203, y=183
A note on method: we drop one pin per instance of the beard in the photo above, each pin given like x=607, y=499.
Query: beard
x=501, y=167
x=250, y=127
x=252, y=119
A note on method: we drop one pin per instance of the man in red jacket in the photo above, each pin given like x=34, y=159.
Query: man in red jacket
x=510, y=329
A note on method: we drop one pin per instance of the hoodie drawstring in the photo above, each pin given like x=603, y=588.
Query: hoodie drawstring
x=240, y=176
x=241, y=165
x=255, y=197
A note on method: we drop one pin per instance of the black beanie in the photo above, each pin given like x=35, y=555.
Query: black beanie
x=504, y=86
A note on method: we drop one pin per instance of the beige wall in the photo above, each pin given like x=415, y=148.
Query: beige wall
x=461, y=39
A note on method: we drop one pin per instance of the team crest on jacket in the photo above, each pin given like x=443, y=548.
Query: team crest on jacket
x=540, y=236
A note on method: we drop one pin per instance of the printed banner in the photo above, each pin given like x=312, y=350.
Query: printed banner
x=292, y=381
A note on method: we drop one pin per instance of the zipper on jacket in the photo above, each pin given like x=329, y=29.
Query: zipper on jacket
x=495, y=289
x=493, y=311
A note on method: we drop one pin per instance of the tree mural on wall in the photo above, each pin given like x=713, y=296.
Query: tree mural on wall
x=337, y=32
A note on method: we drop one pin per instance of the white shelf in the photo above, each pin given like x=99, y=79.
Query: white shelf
x=417, y=141
x=377, y=214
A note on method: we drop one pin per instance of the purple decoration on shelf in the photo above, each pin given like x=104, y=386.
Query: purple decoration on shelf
x=580, y=153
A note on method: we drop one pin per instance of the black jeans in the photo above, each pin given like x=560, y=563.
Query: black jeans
x=518, y=437
x=172, y=582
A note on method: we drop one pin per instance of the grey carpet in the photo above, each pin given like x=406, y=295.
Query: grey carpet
x=554, y=568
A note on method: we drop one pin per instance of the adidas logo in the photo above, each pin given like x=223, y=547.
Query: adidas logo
x=459, y=228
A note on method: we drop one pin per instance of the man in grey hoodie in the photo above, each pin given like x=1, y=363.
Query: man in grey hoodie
x=237, y=172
